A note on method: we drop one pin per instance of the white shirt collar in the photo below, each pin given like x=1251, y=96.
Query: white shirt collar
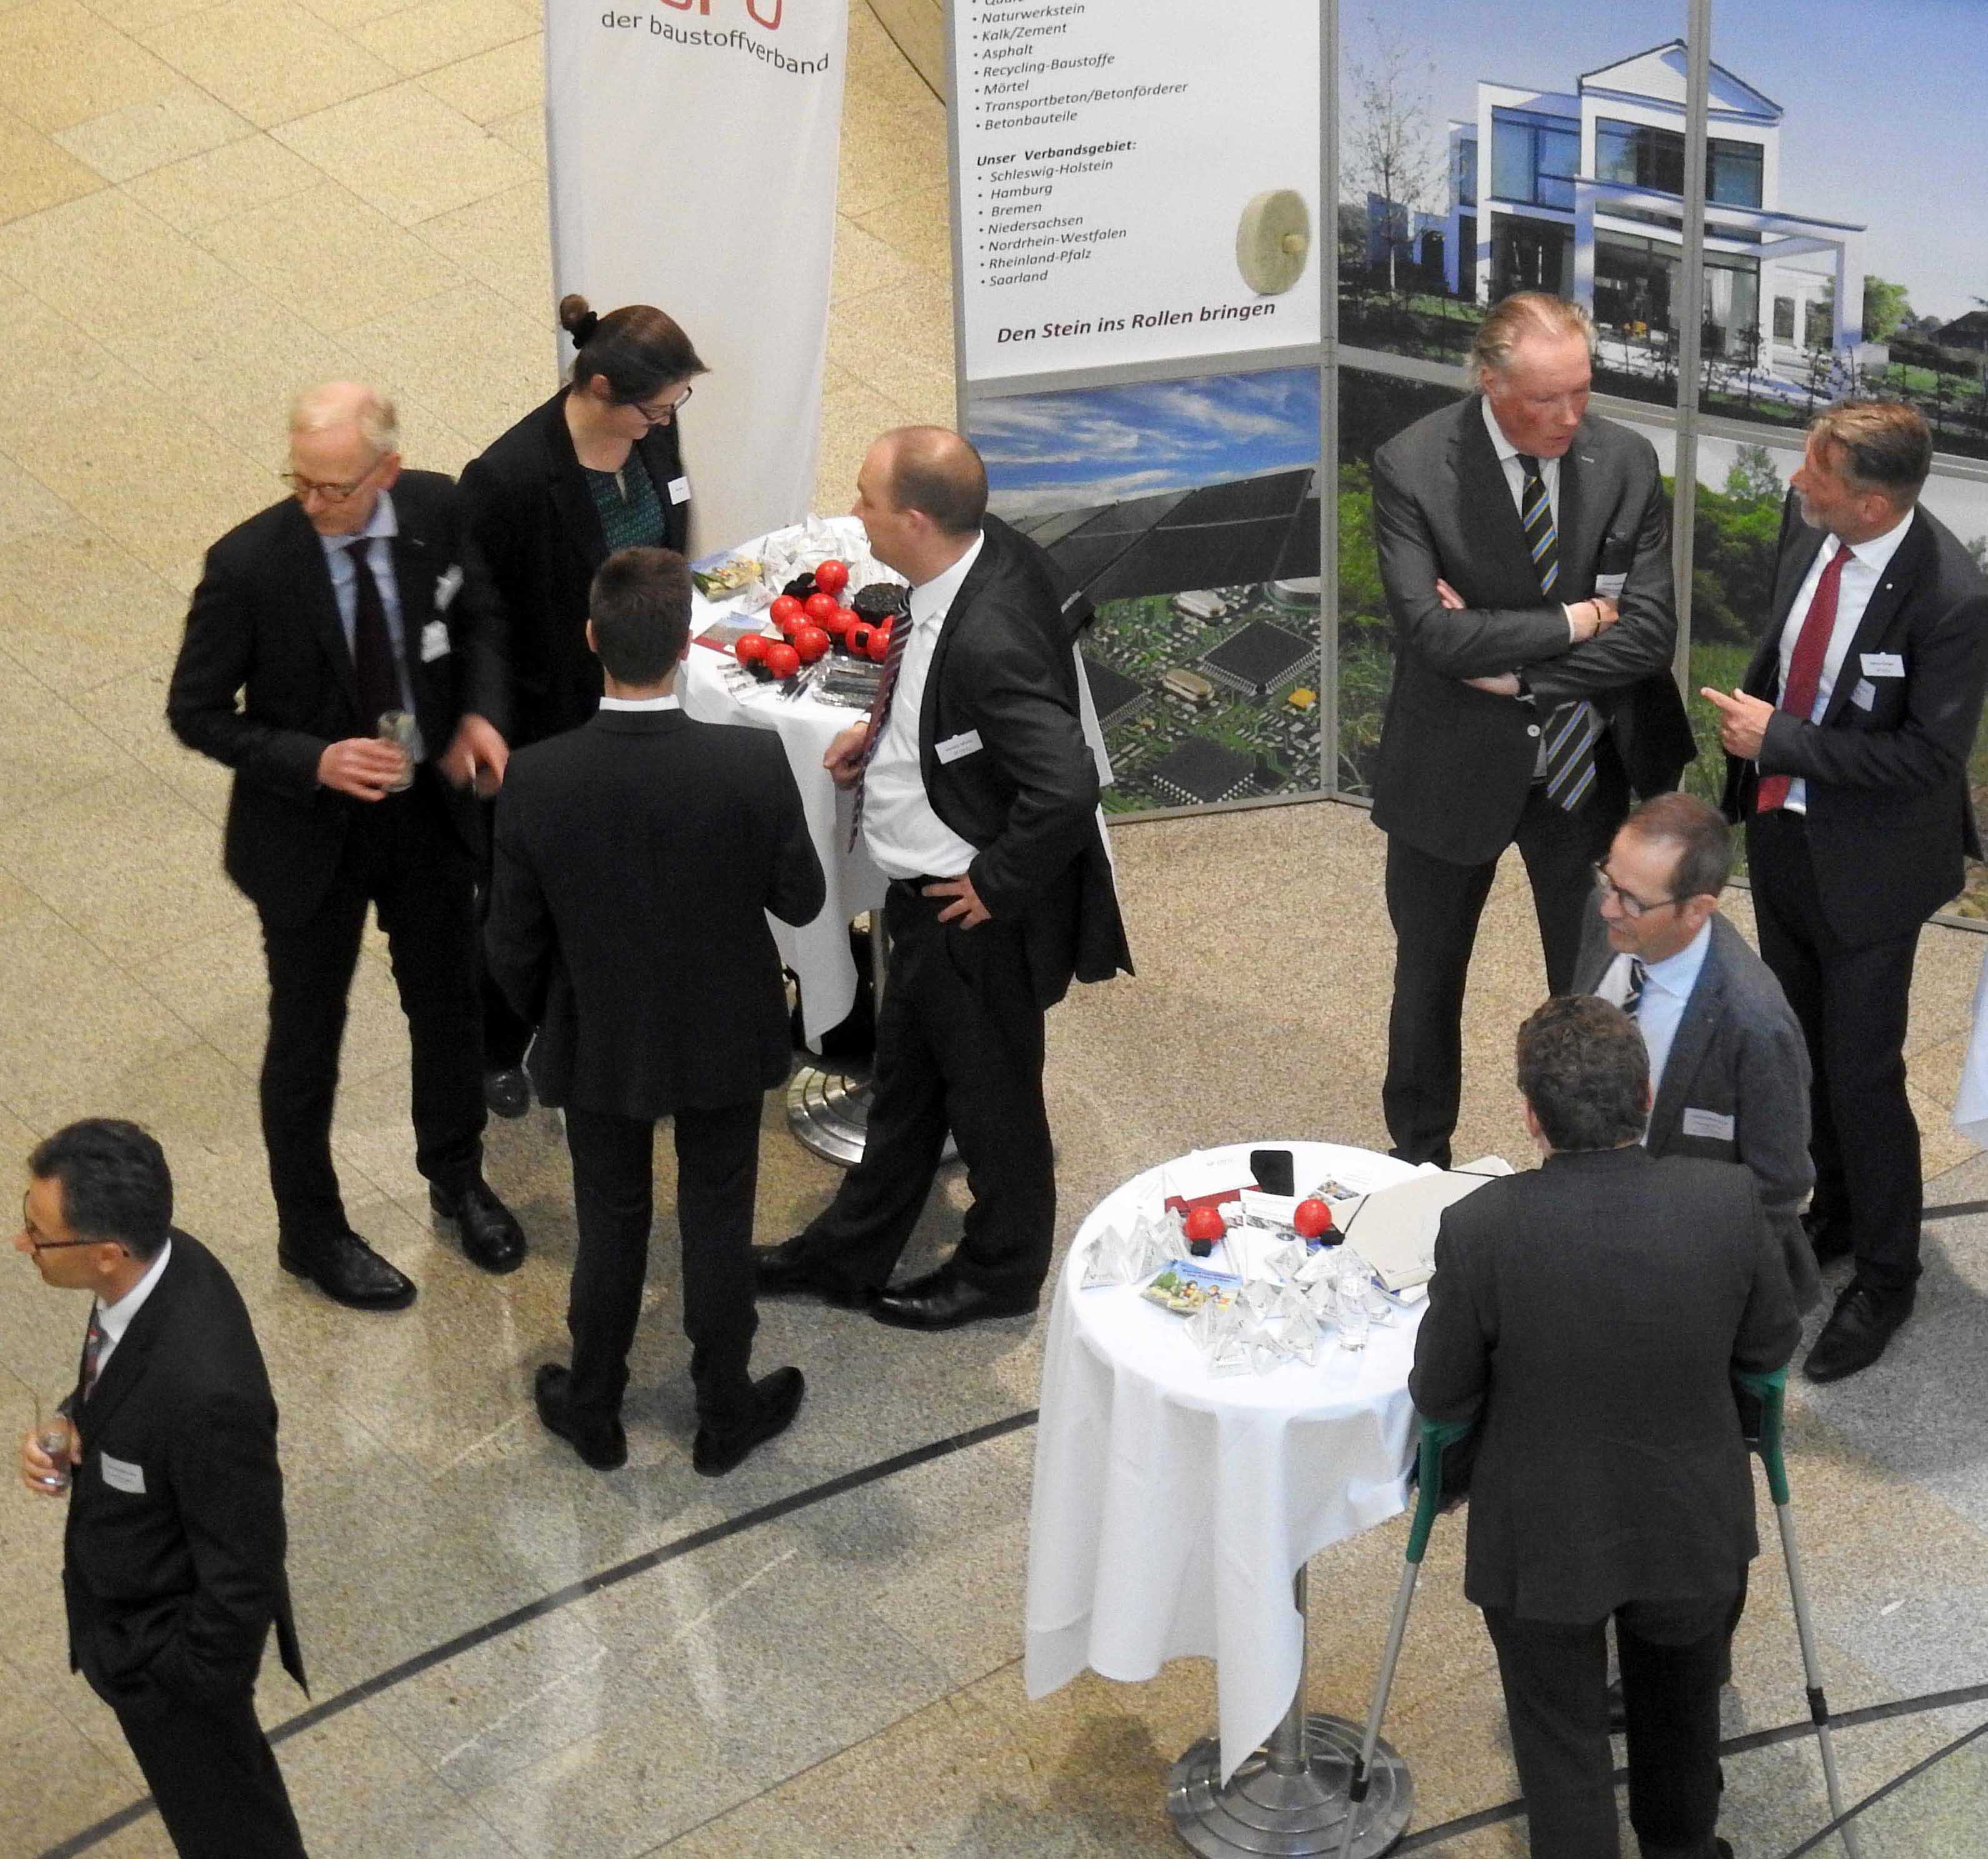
x=933, y=600
x=1678, y=974
x=114, y=1319
x=670, y=701
x=1876, y=554
x=1501, y=446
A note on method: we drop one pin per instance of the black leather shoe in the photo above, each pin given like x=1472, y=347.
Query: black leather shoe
x=945, y=1303
x=347, y=1271
x=782, y=1271
x=601, y=1443
x=1829, y=1238
x=1857, y=1330
x=714, y=1451
x=507, y=1091
x=488, y=1229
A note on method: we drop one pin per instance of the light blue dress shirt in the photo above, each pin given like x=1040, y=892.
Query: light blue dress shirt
x=1667, y=987
x=377, y=540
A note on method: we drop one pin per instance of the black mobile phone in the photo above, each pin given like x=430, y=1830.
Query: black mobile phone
x=1272, y=1170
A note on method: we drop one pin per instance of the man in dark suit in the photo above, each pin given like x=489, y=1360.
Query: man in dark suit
x=1525, y=546
x=173, y=1553
x=636, y=861
x=1847, y=748
x=1589, y=1316
x=1728, y=1072
x=977, y=796
x=319, y=626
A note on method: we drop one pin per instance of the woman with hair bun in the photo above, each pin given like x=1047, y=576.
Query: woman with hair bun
x=597, y=468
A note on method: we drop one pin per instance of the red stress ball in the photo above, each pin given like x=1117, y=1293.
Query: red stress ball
x=847, y=617
x=786, y=612
x=832, y=576
x=819, y=606
x=857, y=638
x=879, y=643
x=751, y=647
x=1313, y=1221
x=810, y=643
x=1205, y=1226
x=782, y=660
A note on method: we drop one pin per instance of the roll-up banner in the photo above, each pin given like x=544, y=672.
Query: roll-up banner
x=693, y=148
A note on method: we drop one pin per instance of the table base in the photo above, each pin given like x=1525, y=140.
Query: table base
x=1265, y=1811
x=828, y=1113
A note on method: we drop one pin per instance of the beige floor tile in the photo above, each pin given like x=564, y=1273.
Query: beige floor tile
x=367, y=144
x=334, y=260
x=433, y=33
x=34, y=173
x=496, y=83
x=225, y=181
x=851, y=417
x=270, y=59
x=133, y=140
x=346, y=14
x=504, y=243
x=133, y=16
x=524, y=130
x=865, y=265
x=64, y=65
x=47, y=748
x=878, y=67
x=870, y=352
x=887, y=153
x=27, y=507
x=130, y=711
x=82, y=609
x=917, y=225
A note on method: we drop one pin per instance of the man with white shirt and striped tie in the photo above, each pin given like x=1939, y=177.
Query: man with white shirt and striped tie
x=1525, y=547
x=976, y=795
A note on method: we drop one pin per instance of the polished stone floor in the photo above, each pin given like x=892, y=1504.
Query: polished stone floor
x=202, y=206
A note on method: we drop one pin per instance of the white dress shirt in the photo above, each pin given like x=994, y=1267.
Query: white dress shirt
x=1667, y=987
x=902, y=834
x=114, y=1319
x=1862, y=574
x=668, y=701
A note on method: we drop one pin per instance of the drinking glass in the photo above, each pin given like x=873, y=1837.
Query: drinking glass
x=54, y=1436
x=397, y=727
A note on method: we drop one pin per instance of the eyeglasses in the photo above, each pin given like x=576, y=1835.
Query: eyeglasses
x=664, y=415
x=1631, y=906
x=40, y=1244
x=301, y=487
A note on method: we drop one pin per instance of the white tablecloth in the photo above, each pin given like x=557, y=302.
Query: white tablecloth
x=1172, y=1509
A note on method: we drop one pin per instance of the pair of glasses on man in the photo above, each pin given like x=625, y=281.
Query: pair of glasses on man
x=302, y=488
x=38, y=1243
x=1630, y=905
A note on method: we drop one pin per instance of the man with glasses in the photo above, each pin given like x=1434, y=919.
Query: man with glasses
x=335, y=660
x=173, y=1551
x=1729, y=1071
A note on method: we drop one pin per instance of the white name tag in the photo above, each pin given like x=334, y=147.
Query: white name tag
x=434, y=642
x=954, y=746
x=446, y=587
x=1883, y=665
x=121, y=1474
x=1863, y=693
x=679, y=490
x=1708, y=1123
x=1610, y=586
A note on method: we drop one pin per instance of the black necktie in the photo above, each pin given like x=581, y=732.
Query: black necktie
x=1571, y=730
x=379, y=672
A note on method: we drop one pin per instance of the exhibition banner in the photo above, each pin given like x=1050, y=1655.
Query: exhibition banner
x=693, y=148
x=1137, y=180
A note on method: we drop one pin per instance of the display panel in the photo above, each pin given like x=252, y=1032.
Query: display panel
x=1188, y=511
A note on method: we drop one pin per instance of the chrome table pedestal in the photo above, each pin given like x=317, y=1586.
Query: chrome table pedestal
x=1289, y=1798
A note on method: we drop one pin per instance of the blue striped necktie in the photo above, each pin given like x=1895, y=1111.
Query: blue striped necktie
x=1572, y=729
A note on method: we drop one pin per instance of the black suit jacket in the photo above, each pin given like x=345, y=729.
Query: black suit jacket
x=1591, y=1314
x=1026, y=796
x=265, y=681
x=1889, y=820
x=171, y=1590
x=535, y=542
x=1739, y=1070
x=636, y=861
x=1456, y=764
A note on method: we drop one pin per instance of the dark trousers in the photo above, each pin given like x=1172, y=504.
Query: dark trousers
x=506, y=1033
x=214, y=1777
x=1556, y=1680
x=959, y=1046
x=1851, y=1004
x=1434, y=906
x=718, y=1171
x=402, y=856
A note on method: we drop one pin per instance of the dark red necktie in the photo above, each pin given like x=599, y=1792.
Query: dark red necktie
x=880, y=710
x=93, y=1355
x=1805, y=670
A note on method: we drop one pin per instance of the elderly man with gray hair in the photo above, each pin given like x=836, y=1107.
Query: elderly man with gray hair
x=335, y=660
x=1525, y=548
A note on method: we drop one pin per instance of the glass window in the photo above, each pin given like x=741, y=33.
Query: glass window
x=1732, y=173
x=1511, y=158
x=1534, y=158
x=1784, y=319
x=1466, y=171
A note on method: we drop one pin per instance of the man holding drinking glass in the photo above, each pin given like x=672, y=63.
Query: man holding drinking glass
x=335, y=660
x=172, y=1555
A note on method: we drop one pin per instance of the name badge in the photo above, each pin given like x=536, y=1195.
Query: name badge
x=121, y=1474
x=446, y=587
x=434, y=642
x=1863, y=693
x=1610, y=587
x=1708, y=1123
x=954, y=746
x=679, y=490
x=1883, y=665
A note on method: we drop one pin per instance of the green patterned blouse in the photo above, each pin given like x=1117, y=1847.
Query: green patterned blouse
x=630, y=514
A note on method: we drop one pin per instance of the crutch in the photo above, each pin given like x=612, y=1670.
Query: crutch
x=1435, y=1437
x=1771, y=1391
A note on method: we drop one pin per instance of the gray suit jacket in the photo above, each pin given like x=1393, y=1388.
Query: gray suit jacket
x=1739, y=1057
